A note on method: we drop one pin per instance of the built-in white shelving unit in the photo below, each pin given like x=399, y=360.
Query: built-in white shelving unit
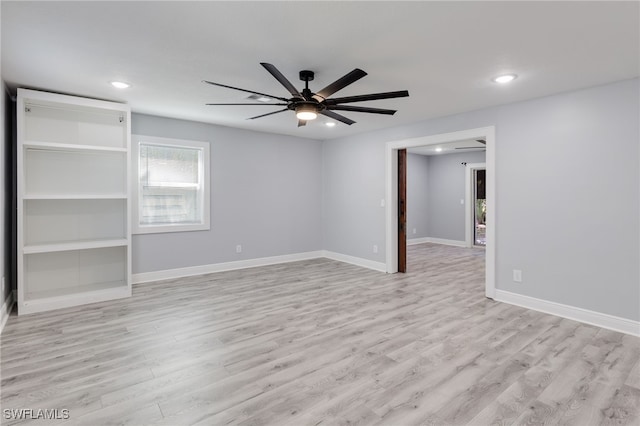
x=74, y=237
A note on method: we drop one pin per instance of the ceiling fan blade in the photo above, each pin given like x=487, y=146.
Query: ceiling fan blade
x=245, y=90
x=370, y=97
x=470, y=147
x=361, y=109
x=338, y=117
x=339, y=84
x=282, y=79
x=269, y=113
x=482, y=141
x=263, y=104
x=302, y=123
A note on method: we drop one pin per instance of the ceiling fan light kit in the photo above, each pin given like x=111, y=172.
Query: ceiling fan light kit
x=306, y=112
x=308, y=105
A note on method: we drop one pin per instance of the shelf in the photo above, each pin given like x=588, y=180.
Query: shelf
x=74, y=171
x=78, y=245
x=63, y=123
x=47, y=294
x=62, y=272
x=74, y=197
x=67, y=221
x=53, y=146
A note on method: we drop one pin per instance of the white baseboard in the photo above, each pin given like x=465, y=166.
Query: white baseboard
x=168, y=274
x=433, y=240
x=586, y=316
x=414, y=241
x=358, y=261
x=5, y=310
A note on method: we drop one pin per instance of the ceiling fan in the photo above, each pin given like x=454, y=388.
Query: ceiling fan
x=308, y=105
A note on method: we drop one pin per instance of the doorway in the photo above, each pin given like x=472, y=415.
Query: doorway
x=391, y=191
x=476, y=199
x=479, y=208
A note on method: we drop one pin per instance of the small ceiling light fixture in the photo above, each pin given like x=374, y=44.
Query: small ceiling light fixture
x=259, y=98
x=306, y=112
x=438, y=149
x=505, y=78
x=330, y=124
x=120, y=84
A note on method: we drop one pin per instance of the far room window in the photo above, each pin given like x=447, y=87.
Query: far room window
x=172, y=191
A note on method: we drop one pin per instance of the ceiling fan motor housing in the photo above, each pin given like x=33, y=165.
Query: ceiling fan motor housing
x=306, y=106
x=306, y=75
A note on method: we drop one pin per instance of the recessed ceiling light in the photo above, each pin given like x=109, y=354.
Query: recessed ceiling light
x=505, y=78
x=120, y=84
x=330, y=124
x=438, y=149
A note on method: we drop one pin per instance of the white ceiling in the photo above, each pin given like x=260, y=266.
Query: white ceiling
x=444, y=53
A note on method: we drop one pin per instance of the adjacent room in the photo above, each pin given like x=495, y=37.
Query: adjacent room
x=320, y=213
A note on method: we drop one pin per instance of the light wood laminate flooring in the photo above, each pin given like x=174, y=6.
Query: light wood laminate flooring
x=320, y=342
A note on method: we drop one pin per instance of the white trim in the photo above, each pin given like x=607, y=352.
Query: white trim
x=433, y=240
x=6, y=308
x=391, y=195
x=168, y=274
x=468, y=196
x=586, y=316
x=414, y=241
x=358, y=261
x=204, y=178
x=36, y=97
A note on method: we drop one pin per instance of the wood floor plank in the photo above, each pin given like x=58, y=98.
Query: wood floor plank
x=320, y=342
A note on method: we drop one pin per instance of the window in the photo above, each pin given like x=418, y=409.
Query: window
x=172, y=191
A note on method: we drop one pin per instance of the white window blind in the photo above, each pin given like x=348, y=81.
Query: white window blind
x=173, y=187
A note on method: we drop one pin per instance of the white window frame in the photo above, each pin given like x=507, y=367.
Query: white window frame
x=204, y=177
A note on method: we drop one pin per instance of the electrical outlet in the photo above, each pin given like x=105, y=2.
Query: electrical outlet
x=415, y=231
x=517, y=275
x=375, y=248
x=382, y=202
x=238, y=248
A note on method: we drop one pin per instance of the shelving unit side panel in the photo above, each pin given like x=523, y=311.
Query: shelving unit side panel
x=20, y=178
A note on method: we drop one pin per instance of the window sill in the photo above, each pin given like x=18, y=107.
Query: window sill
x=161, y=229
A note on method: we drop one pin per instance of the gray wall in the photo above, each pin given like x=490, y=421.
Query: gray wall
x=353, y=185
x=567, y=194
x=265, y=195
x=417, y=195
x=446, y=187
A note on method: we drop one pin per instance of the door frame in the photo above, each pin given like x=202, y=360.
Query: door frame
x=468, y=197
x=402, y=210
x=391, y=194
